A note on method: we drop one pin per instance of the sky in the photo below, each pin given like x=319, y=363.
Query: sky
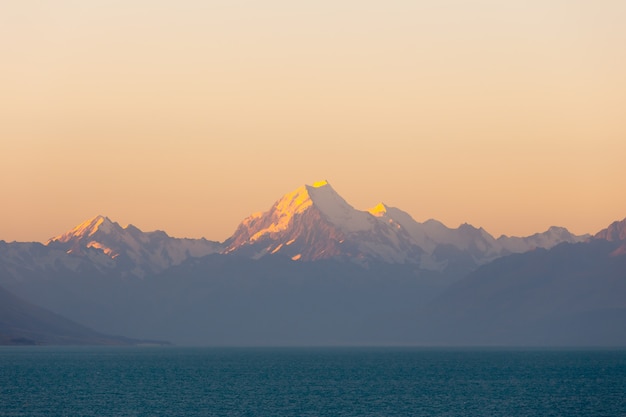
x=187, y=116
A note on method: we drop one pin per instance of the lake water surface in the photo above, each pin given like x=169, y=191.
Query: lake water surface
x=155, y=381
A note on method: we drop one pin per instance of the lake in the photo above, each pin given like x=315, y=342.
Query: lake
x=174, y=381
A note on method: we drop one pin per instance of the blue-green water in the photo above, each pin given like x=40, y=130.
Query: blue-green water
x=38, y=381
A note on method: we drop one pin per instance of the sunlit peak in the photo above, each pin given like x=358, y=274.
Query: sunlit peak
x=318, y=184
x=379, y=210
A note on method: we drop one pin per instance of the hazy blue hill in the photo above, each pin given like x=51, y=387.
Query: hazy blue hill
x=24, y=323
x=224, y=300
x=573, y=294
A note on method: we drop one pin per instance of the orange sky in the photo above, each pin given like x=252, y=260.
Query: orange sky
x=188, y=116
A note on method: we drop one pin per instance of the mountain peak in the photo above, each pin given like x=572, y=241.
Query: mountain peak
x=318, y=184
x=337, y=210
x=139, y=252
x=320, y=196
x=86, y=229
x=315, y=222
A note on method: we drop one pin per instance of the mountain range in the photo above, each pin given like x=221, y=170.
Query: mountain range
x=308, y=224
x=314, y=270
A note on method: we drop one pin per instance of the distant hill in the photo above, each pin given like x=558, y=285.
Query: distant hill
x=572, y=294
x=22, y=323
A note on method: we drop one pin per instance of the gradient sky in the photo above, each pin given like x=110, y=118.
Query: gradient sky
x=187, y=116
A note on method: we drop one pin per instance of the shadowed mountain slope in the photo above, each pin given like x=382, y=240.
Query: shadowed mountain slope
x=22, y=323
x=572, y=294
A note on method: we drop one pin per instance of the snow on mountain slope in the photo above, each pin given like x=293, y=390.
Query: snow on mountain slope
x=338, y=211
x=139, y=252
x=314, y=222
x=30, y=258
x=403, y=220
x=546, y=240
x=433, y=236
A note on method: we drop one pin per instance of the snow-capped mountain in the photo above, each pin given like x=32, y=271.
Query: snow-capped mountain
x=441, y=242
x=314, y=222
x=129, y=248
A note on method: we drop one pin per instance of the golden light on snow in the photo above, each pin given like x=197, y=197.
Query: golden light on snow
x=378, y=210
x=293, y=203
